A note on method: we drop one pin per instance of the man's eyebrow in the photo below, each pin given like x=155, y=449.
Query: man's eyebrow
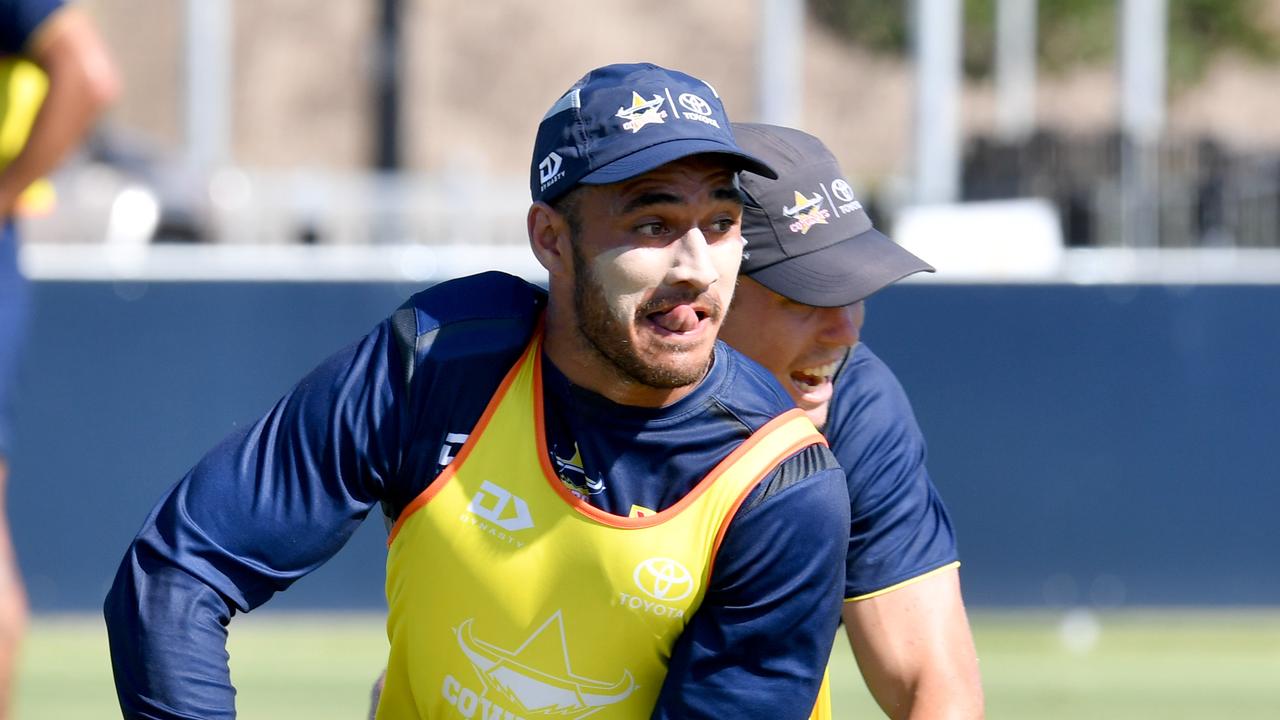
x=645, y=200
x=727, y=192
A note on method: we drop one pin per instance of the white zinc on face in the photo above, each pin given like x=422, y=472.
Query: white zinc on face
x=654, y=265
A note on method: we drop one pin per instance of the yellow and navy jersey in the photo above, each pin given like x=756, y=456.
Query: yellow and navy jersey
x=554, y=606
x=377, y=423
x=900, y=529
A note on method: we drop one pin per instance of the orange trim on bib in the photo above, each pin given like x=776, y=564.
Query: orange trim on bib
x=620, y=521
x=790, y=450
x=534, y=350
x=443, y=478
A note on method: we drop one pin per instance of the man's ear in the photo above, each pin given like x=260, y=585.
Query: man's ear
x=549, y=237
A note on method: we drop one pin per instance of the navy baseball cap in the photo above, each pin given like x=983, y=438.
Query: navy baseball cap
x=621, y=121
x=808, y=238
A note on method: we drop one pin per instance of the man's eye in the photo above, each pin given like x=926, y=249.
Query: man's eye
x=799, y=309
x=653, y=229
x=723, y=225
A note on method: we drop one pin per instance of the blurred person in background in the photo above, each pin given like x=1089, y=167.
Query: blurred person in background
x=811, y=259
x=56, y=76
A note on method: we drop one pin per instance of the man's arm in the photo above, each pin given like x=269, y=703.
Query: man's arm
x=903, y=610
x=82, y=82
x=261, y=510
x=915, y=650
x=760, y=642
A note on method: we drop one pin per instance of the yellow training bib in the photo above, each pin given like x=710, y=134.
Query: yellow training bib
x=22, y=89
x=509, y=597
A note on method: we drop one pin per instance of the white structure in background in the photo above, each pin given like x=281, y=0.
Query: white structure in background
x=992, y=240
x=780, y=86
x=1003, y=240
x=208, y=84
x=132, y=222
x=1143, y=29
x=134, y=215
x=1015, y=68
x=937, y=37
x=1143, y=26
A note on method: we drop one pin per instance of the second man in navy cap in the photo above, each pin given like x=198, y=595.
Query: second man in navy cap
x=811, y=260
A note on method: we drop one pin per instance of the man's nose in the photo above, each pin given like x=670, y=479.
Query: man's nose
x=693, y=263
x=842, y=325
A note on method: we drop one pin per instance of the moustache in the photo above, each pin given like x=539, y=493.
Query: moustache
x=706, y=305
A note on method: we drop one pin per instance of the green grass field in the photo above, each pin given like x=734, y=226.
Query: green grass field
x=1167, y=665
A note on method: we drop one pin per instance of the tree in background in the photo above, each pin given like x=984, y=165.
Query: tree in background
x=1071, y=32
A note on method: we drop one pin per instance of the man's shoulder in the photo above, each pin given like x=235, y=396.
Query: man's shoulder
x=487, y=316
x=754, y=397
x=491, y=303
x=864, y=367
x=866, y=385
x=870, y=411
x=476, y=298
x=750, y=392
x=813, y=466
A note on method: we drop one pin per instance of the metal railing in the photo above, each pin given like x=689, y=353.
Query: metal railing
x=1205, y=195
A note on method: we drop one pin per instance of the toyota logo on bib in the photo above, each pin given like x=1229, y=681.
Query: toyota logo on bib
x=664, y=579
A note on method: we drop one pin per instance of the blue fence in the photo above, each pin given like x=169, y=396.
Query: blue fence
x=1098, y=445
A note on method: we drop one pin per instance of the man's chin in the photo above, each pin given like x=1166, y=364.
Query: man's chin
x=672, y=365
x=816, y=403
x=818, y=416
x=677, y=375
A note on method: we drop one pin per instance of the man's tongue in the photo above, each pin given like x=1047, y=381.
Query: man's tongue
x=680, y=318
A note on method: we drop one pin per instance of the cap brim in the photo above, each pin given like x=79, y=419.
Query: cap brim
x=655, y=156
x=841, y=274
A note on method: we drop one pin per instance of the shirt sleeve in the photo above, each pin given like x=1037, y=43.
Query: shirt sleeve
x=262, y=509
x=19, y=20
x=899, y=525
x=760, y=642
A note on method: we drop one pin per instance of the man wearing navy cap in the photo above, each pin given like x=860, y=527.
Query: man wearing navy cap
x=597, y=510
x=812, y=258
